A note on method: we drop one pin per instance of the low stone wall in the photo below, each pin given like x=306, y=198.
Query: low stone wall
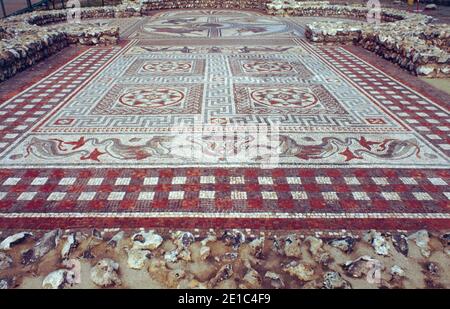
x=127, y=10
x=409, y=52
x=29, y=38
x=149, y=6
x=91, y=34
x=332, y=32
x=437, y=35
x=404, y=38
x=3, y=33
x=19, y=53
x=325, y=9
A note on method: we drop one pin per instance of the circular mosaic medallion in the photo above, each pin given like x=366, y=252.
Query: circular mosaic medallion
x=260, y=66
x=167, y=67
x=284, y=97
x=157, y=97
x=221, y=26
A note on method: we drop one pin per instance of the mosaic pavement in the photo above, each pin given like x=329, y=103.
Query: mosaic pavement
x=128, y=135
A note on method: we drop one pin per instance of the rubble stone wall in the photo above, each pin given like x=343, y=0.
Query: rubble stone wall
x=325, y=9
x=404, y=38
x=31, y=37
x=150, y=5
x=17, y=54
x=437, y=35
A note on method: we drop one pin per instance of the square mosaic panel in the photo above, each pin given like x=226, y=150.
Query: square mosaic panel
x=137, y=99
x=128, y=120
x=286, y=99
x=268, y=67
x=166, y=67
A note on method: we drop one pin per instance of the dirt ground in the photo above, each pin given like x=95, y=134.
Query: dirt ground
x=439, y=83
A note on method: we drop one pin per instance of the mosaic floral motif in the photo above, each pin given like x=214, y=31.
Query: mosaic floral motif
x=167, y=66
x=350, y=148
x=152, y=98
x=215, y=26
x=92, y=149
x=161, y=66
x=266, y=66
x=214, y=147
x=248, y=65
x=284, y=97
x=143, y=49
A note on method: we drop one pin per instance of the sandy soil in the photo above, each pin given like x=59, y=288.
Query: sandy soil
x=439, y=83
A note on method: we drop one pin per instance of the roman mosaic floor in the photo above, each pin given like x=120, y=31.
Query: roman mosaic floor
x=160, y=131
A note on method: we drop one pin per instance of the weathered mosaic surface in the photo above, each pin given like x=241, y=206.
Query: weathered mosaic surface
x=105, y=136
x=212, y=24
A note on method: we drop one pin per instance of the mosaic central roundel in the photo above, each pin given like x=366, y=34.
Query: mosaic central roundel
x=266, y=66
x=285, y=97
x=167, y=66
x=215, y=26
x=152, y=98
